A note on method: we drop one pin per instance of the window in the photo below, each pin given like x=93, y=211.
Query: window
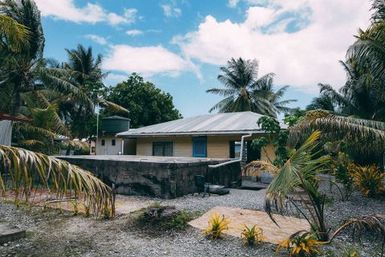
x=235, y=149
x=113, y=142
x=162, y=149
x=103, y=142
x=199, y=146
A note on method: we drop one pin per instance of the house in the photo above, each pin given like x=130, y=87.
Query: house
x=106, y=142
x=208, y=136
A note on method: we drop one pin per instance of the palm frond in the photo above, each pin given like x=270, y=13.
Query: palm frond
x=373, y=224
x=112, y=106
x=29, y=170
x=335, y=126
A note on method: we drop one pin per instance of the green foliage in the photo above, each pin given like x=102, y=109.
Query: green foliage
x=274, y=136
x=243, y=91
x=300, y=244
x=157, y=219
x=147, y=104
x=299, y=173
x=351, y=252
x=217, y=225
x=252, y=235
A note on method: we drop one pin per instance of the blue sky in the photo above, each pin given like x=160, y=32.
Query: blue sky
x=180, y=44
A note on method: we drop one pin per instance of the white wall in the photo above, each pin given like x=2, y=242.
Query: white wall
x=108, y=148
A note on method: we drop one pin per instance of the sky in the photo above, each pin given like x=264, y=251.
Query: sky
x=179, y=45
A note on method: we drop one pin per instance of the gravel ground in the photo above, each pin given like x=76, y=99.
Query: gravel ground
x=53, y=233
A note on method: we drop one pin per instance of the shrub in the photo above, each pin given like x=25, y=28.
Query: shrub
x=300, y=244
x=341, y=163
x=368, y=179
x=217, y=225
x=252, y=236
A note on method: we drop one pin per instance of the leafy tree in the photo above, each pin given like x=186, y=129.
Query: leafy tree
x=274, y=136
x=146, y=103
x=245, y=92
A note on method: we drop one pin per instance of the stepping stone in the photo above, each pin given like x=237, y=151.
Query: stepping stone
x=239, y=217
x=10, y=233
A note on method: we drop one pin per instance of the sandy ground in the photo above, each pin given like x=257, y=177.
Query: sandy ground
x=54, y=233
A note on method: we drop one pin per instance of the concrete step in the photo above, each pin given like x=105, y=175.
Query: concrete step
x=10, y=233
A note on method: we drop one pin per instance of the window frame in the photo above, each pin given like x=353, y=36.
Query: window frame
x=164, y=145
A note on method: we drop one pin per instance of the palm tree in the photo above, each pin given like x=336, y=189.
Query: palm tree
x=245, y=92
x=87, y=76
x=369, y=48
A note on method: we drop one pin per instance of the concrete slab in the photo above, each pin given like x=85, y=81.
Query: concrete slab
x=240, y=217
x=10, y=233
x=142, y=158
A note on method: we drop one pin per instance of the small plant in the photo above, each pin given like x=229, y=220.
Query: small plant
x=368, y=179
x=300, y=244
x=252, y=236
x=217, y=225
x=351, y=252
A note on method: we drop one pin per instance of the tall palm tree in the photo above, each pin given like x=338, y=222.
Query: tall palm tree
x=369, y=48
x=25, y=71
x=87, y=76
x=244, y=91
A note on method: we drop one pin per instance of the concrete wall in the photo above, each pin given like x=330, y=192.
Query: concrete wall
x=108, y=148
x=165, y=180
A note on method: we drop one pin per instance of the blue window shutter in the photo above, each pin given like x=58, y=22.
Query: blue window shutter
x=199, y=146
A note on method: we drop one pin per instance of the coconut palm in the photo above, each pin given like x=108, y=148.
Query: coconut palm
x=28, y=171
x=245, y=92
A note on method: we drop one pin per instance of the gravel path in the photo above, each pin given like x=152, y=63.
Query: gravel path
x=52, y=233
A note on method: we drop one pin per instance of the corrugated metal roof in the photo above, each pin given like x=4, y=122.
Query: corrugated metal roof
x=209, y=124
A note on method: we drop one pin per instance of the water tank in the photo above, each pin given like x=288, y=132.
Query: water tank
x=114, y=124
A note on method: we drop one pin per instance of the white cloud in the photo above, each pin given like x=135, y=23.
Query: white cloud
x=148, y=60
x=90, y=13
x=97, y=39
x=134, y=32
x=233, y=3
x=301, y=57
x=171, y=11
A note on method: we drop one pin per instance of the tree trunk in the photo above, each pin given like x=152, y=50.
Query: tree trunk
x=5, y=132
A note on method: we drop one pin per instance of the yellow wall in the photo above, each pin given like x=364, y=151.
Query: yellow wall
x=217, y=146
x=182, y=145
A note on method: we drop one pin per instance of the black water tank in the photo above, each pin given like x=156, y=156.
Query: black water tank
x=115, y=124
